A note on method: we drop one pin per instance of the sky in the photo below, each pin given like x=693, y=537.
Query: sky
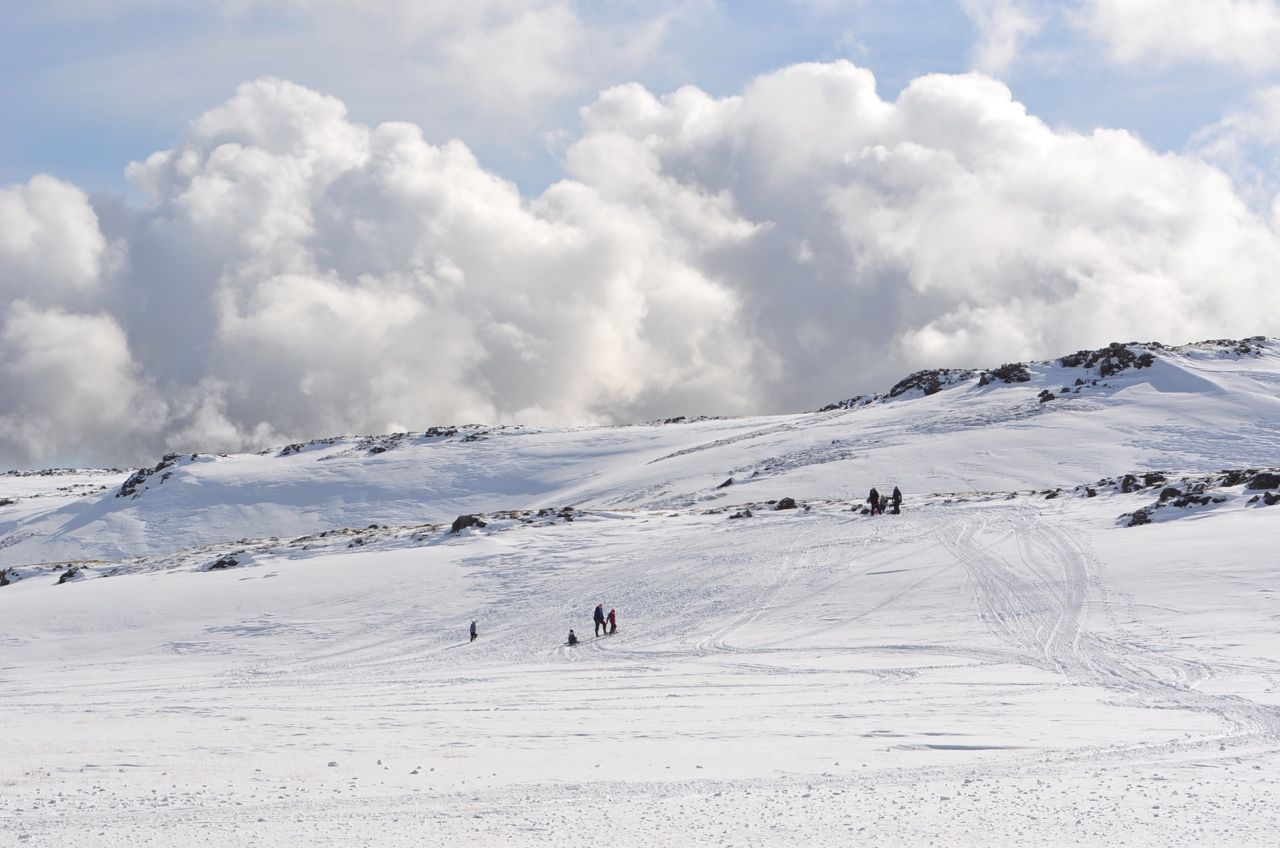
x=229, y=225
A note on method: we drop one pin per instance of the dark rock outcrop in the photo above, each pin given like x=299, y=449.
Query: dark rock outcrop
x=462, y=522
x=1010, y=372
x=138, y=478
x=1264, y=480
x=224, y=562
x=849, y=403
x=930, y=382
x=1137, y=519
x=1110, y=360
x=786, y=503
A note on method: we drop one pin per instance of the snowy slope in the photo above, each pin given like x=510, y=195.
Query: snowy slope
x=1199, y=408
x=1008, y=662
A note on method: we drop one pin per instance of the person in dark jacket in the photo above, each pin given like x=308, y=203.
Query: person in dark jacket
x=874, y=500
x=598, y=618
x=473, y=631
x=896, y=500
x=612, y=621
x=573, y=637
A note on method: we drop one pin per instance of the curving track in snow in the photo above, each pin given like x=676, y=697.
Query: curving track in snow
x=1031, y=579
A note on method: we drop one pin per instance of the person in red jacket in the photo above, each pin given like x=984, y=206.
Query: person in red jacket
x=611, y=621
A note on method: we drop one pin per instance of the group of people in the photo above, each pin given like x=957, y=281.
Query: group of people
x=605, y=624
x=879, y=502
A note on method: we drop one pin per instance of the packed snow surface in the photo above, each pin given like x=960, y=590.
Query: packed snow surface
x=272, y=649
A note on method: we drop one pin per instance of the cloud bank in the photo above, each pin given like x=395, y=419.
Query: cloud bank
x=1240, y=34
x=1002, y=26
x=297, y=274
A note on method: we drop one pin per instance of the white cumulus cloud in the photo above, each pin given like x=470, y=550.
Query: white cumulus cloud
x=67, y=382
x=1246, y=144
x=50, y=245
x=297, y=274
x=1003, y=26
x=1241, y=34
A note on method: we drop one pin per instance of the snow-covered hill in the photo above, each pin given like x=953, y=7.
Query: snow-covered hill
x=1069, y=635
x=1037, y=425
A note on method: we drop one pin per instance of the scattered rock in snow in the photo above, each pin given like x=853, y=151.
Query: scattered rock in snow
x=381, y=444
x=746, y=513
x=786, y=503
x=67, y=576
x=723, y=485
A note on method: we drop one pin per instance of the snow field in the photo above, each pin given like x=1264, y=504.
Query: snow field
x=1004, y=664
x=876, y=663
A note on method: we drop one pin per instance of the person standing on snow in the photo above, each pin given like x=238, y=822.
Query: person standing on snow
x=874, y=500
x=612, y=621
x=598, y=618
x=896, y=500
x=473, y=631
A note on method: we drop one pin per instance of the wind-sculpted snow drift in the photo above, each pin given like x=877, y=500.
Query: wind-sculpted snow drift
x=1066, y=637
